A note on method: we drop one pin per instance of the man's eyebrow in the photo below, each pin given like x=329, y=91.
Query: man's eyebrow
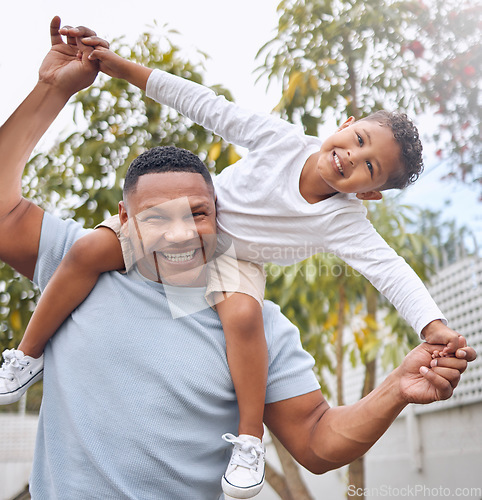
x=377, y=164
x=199, y=205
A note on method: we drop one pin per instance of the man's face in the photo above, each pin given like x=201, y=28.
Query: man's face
x=359, y=158
x=171, y=223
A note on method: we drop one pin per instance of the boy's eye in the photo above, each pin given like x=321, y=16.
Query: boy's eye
x=360, y=139
x=370, y=168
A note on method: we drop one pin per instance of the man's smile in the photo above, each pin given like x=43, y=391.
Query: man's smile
x=179, y=256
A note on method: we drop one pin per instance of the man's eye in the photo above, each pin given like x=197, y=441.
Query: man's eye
x=360, y=139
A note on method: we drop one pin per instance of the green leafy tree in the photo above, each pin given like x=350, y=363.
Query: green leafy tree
x=337, y=58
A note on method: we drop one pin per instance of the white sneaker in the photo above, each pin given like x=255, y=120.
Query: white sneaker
x=244, y=476
x=17, y=374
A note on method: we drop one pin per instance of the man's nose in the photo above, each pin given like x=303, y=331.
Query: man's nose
x=179, y=231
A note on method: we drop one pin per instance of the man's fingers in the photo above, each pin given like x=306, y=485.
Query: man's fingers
x=467, y=353
x=68, y=31
x=441, y=384
x=452, y=375
x=450, y=362
x=55, y=37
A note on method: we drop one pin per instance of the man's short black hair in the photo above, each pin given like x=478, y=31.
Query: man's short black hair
x=163, y=159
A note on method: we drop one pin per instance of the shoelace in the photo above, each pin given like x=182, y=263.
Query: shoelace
x=245, y=453
x=11, y=361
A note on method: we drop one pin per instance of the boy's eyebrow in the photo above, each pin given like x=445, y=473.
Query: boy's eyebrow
x=379, y=168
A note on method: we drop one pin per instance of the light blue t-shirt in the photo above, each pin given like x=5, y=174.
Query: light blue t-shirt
x=135, y=402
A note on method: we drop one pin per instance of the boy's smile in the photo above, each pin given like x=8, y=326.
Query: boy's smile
x=359, y=158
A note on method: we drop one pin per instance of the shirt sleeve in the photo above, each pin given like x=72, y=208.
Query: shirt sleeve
x=290, y=372
x=354, y=239
x=56, y=238
x=200, y=104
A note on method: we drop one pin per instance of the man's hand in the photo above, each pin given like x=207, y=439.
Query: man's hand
x=425, y=380
x=67, y=66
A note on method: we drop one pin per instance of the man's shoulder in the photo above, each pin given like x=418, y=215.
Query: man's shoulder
x=56, y=238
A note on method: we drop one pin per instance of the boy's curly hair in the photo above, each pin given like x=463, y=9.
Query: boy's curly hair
x=407, y=136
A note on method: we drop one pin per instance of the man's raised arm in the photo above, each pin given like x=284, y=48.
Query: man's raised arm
x=65, y=70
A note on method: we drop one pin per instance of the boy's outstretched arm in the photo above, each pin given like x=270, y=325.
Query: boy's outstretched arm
x=65, y=70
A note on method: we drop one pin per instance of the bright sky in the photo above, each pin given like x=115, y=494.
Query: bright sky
x=230, y=32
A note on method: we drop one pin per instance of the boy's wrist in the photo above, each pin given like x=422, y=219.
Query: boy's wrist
x=429, y=329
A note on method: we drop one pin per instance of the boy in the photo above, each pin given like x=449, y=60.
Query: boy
x=288, y=199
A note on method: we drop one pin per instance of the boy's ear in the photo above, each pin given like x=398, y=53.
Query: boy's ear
x=346, y=123
x=370, y=195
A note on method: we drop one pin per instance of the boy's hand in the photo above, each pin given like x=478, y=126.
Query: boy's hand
x=98, y=50
x=438, y=333
x=109, y=62
x=66, y=66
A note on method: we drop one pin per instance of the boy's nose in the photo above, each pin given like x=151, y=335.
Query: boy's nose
x=350, y=158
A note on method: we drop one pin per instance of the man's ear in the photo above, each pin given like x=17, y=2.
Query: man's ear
x=122, y=212
x=346, y=123
x=370, y=195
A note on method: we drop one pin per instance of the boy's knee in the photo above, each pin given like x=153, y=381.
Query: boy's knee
x=245, y=312
x=81, y=253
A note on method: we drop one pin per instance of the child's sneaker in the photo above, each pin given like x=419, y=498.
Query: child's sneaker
x=244, y=476
x=17, y=374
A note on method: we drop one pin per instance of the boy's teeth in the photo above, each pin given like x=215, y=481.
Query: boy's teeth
x=337, y=163
x=179, y=257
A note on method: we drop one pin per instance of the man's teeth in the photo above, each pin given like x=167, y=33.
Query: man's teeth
x=179, y=257
x=337, y=163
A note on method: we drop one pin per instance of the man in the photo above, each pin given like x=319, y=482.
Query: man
x=134, y=399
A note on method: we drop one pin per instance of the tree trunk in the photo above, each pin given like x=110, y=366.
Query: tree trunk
x=356, y=470
x=278, y=482
x=294, y=482
x=339, y=346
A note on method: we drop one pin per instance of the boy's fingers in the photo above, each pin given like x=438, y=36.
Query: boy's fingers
x=95, y=41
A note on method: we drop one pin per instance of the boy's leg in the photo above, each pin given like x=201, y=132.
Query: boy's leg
x=247, y=355
x=90, y=256
x=73, y=280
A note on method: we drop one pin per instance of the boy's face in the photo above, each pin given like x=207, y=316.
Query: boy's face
x=359, y=158
x=171, y=223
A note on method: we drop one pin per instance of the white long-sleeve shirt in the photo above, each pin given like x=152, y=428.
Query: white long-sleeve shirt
x=260, y=207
